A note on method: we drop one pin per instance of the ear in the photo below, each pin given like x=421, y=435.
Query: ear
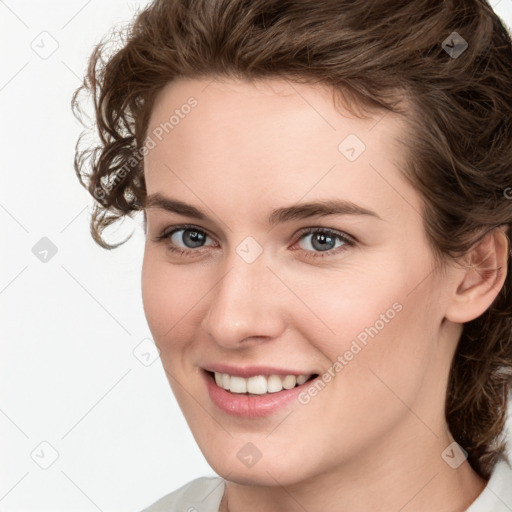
x=481, y=278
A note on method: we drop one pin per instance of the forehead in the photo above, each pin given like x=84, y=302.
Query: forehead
x=274, y=98
x=250, y=139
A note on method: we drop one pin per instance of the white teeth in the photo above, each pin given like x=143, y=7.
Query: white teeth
x=274, y=384
x=289, y=382
x=256, y=385
x=259, y=384
x=238, y=385
x=301, y=379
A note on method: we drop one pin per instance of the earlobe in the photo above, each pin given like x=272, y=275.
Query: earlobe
x=481, y=278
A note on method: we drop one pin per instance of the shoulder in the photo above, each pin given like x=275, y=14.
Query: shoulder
x=203, y=494
x=497, y=494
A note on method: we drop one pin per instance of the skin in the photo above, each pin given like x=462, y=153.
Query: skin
x=372, y=439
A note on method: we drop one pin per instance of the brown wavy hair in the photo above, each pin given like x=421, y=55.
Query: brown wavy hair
x=373, y=55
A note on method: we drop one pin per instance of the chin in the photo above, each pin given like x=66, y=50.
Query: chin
x=270, y=470
x=258, y=476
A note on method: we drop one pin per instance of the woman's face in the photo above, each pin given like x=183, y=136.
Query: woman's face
x=303, y=254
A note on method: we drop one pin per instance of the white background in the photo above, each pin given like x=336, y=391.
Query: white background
x=69, y=326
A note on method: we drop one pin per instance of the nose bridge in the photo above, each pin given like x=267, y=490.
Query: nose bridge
x=242, y=304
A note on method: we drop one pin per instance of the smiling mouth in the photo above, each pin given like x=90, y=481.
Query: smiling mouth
x=259, y=384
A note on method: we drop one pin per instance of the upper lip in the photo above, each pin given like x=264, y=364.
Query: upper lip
x=251, y=371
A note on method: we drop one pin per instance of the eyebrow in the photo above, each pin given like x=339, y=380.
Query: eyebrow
x=284, y=214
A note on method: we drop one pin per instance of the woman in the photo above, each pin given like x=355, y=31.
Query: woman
x=327, y=204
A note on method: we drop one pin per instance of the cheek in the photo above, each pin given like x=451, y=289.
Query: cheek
x=169, y=295
x=367, y=312
x=371, y=321
x=376, y=364
x=346, y=305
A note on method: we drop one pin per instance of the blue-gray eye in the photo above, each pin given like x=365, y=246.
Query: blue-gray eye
x=189, y=237
x=321, y=241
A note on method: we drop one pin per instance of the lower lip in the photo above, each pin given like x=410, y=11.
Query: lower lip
x=250, y=406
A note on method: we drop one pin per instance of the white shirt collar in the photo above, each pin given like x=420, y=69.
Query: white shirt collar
x=497, y=494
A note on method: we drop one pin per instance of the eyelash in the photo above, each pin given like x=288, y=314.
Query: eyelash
x=347, y=240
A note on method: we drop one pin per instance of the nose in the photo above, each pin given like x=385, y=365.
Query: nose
x=246, y=306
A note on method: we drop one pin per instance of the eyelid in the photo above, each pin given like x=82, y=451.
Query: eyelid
x=348, y=240
x=306, y=230
x=168, y=232
x=313, y=229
